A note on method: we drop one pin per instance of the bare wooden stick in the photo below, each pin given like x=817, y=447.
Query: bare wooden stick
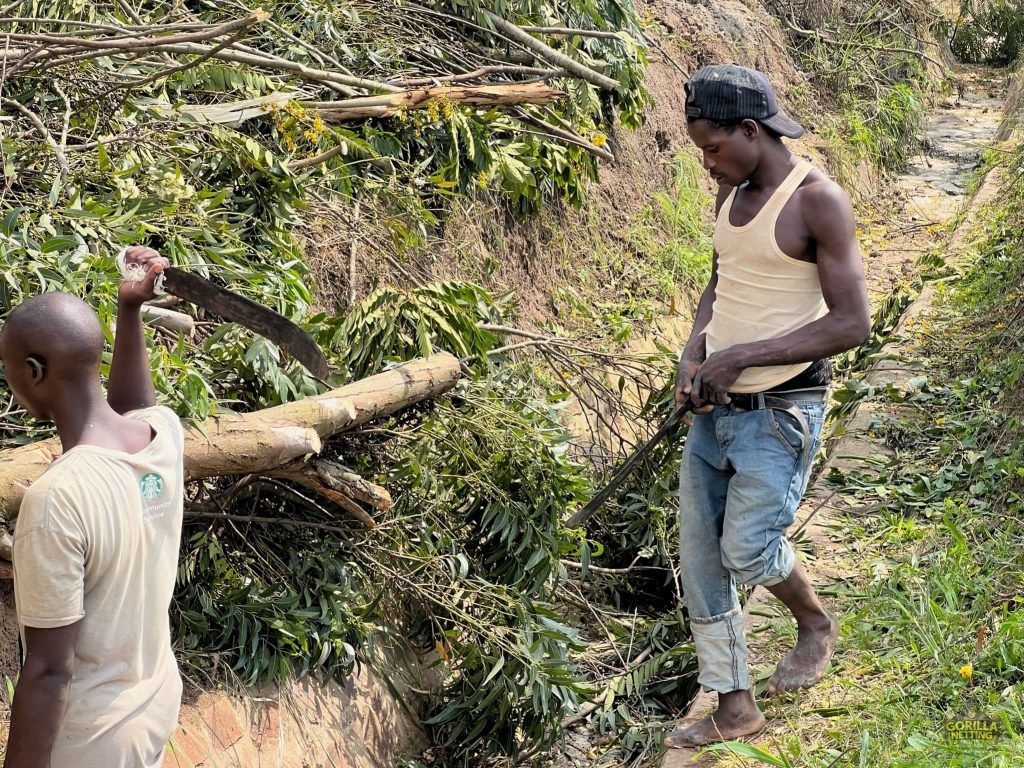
x=569, y=32
x=352, y=258
x=564, y=135
x=134, y=42
x=549, y=54
x=180, y=67
x=323, y=157
x=284, y=65
x=33, y=118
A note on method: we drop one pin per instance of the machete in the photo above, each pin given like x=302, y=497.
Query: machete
x=588, y=509
x=238, y=309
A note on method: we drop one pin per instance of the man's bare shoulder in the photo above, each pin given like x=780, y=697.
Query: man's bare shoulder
x=824, y=205
x=822, y=194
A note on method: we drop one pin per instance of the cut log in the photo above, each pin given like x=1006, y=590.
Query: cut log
x=169, y=320
x=418, y=98
x=258, y=442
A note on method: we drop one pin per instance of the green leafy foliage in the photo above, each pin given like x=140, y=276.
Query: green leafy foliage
x=485, y=484
x=265, y=611
x=508, y=483
x=225, y=197
x=393, y=324
x=988, y=31
x=870, y=58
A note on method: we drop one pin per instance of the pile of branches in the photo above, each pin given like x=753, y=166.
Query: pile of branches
x=104, y=58
x=877, y=43
x=211, y=129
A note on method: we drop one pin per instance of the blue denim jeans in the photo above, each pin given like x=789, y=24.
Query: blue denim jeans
x=742, y=476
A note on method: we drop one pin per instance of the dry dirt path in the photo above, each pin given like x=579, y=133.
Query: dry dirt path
x=927, y=199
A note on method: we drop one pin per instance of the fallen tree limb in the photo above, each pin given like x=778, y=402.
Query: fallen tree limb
x=568, y=32
x=58, y=151
x=263, y=441
x=480, y=72
x=418, y=98
x=564, y=135
x=338, y=484
x=549, y=54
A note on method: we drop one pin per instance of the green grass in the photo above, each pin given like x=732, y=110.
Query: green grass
x=658, y=266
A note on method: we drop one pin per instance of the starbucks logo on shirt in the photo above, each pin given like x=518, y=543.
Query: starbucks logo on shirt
x=152, y=485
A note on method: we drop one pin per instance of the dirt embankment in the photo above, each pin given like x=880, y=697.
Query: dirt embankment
x=536, y=256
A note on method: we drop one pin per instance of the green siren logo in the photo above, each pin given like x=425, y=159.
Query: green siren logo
x=152, y=485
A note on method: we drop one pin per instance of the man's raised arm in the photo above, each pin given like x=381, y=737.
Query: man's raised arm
x=131, y=379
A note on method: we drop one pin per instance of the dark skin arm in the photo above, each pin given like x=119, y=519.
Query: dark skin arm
x=695, y=351
x=41, y=695
x=131, y=379
x=828, y=216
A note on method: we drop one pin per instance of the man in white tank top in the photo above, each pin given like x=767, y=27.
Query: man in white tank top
x=786, y=293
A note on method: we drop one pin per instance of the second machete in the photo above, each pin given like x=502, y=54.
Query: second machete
x=234, y=308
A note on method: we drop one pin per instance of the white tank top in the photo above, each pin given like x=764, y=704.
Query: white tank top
x=762, y=293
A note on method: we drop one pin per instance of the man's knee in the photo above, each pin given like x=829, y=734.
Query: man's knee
x=747, y=567
x=755, y=565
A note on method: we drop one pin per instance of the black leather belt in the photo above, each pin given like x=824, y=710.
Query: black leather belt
x=756, y=401
x=781, y=401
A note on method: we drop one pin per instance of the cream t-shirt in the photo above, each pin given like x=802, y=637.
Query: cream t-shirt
x=97, y=540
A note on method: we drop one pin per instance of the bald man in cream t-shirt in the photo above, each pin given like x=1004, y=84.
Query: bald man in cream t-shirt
x=96, y=540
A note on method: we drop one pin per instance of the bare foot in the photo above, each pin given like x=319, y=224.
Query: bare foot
x=715, y=728
x=806, y=663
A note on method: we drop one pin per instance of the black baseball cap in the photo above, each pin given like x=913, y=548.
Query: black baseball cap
x=729, y=92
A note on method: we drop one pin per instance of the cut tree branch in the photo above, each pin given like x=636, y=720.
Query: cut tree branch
x=33, y=118
x=549, y=54
x=566, y=31
x=419, y=98
x=262, y=441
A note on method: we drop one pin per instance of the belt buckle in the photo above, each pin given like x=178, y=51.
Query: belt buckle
x=744, y=401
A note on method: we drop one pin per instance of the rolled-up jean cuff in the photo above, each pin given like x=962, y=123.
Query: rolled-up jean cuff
x=721, y=652
x=715, y=619
x=782, y=567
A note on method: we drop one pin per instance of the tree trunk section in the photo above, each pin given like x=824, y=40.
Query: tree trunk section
x=234, y=443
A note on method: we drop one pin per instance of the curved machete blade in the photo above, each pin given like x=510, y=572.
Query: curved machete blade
x=239, y=309
x=627, y=467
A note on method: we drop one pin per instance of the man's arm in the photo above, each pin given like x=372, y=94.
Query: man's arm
x=41, y=695
x=829, y=217
x=131, y=380
x=695, y=351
